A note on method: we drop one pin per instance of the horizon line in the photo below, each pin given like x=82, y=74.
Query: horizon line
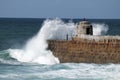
x=51, y=18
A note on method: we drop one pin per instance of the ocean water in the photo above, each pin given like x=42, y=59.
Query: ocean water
x=23, y=54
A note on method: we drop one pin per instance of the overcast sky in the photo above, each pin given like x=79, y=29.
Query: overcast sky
x=60, y=8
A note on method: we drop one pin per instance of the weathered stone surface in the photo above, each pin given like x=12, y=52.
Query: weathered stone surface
x=88, y=51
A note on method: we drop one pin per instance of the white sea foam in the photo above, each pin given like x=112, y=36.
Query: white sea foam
x=35, y=50
x=87, y=71
x=80, y=71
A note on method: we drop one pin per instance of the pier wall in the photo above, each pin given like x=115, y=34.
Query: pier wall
x=86, y=51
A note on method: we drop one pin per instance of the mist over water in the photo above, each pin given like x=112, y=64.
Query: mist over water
x=35, y=50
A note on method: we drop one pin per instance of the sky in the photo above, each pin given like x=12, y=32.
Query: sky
x=92, y=9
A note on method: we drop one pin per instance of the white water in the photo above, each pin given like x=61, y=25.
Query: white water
x=67, y=71
x=35, y=51
x=100, y=29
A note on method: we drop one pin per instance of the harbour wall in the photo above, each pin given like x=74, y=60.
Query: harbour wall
x=86, y=51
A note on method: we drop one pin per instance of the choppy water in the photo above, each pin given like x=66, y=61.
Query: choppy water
x=15, y=33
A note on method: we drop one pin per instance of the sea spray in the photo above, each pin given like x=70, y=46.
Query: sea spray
x=35, y=50
x=57, y=29
x=100, y=29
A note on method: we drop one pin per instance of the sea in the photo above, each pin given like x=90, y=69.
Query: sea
x=24, y=54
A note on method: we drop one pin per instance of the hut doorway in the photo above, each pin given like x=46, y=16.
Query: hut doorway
x=87, y=31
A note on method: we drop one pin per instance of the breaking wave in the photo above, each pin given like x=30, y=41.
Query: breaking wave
x=35, y=50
